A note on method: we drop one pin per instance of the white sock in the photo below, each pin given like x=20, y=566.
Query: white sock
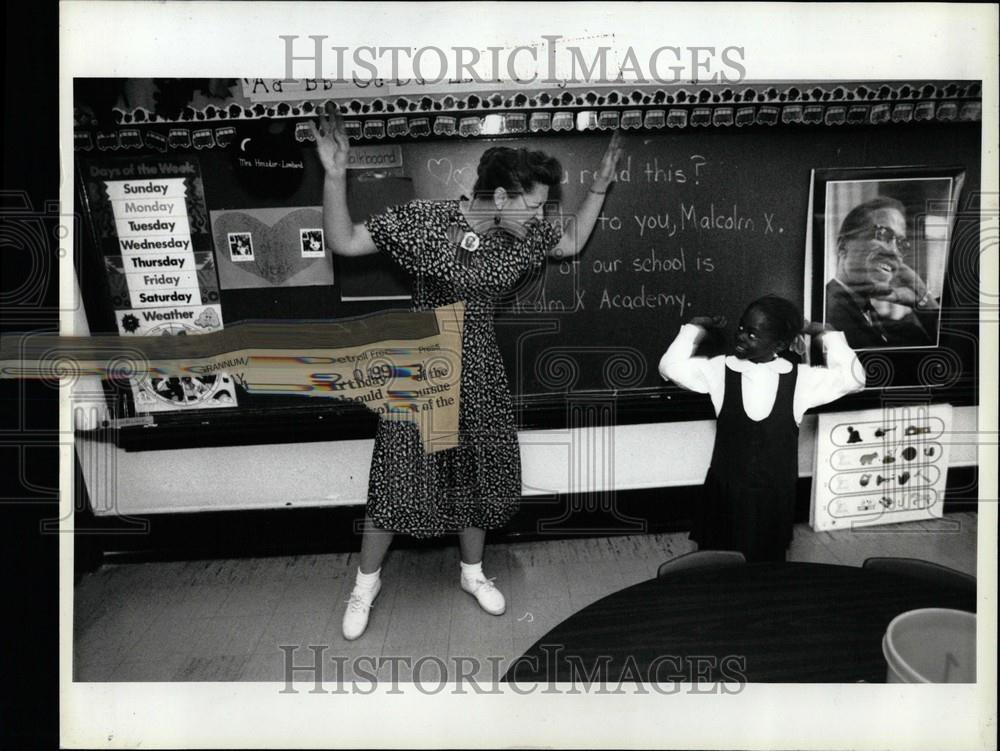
x=472, y=571
x=367, y=581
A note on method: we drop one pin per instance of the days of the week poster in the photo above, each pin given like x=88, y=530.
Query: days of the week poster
x=152, y=226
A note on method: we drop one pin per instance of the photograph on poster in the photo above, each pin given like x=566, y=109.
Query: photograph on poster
x=885, y=235
x=240, y=246
x=311, y=242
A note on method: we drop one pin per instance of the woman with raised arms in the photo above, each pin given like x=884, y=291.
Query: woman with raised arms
x=472, y=250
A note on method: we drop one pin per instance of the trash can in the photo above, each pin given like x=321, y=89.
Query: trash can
x=931, y=645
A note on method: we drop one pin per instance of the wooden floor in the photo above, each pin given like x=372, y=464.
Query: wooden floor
x=223, y=620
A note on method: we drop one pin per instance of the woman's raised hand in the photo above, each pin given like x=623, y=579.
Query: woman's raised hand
x=332, y=145
x=605, y=174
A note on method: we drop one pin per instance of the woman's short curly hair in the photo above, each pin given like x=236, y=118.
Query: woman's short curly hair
x=515, y=170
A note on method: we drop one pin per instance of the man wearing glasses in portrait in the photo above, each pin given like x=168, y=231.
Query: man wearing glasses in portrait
x=876, y=298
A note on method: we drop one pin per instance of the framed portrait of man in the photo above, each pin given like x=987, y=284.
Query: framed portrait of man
x=883, y=237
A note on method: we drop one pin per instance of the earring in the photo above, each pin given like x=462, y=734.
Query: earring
x=496, y=219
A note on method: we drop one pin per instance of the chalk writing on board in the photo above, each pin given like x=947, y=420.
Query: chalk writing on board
x=463, y=174
x=544, y=304
x=690, y=216
x=643, y=298
x=726, y=218
x=445, y=171
x=654, y=171
x=660, y=261
x=648, y=263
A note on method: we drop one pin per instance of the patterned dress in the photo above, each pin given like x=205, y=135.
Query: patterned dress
x=477, y=483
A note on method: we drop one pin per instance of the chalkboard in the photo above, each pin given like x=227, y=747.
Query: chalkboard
x=698, y=223
x=701, y=221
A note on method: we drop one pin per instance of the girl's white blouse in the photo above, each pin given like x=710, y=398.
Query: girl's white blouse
x=814, y=386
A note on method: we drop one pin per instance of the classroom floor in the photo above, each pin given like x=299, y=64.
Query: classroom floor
x=223, y=620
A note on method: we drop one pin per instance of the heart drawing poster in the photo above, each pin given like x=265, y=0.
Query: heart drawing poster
x=278, y=247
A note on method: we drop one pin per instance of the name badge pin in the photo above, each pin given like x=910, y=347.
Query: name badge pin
x=470, y=241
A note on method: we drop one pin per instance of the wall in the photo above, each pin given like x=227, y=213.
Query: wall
x=336, y=473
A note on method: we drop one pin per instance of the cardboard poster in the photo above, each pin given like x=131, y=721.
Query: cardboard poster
x=880, y=466
x=401, y=365
x=280, y=247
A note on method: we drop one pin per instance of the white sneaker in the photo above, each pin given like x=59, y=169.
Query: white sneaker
x=356, y=615
x=486, y=594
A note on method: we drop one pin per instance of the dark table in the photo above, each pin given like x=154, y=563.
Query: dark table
x=766, y=622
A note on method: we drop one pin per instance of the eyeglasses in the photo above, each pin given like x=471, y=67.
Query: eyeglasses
x=883, y=235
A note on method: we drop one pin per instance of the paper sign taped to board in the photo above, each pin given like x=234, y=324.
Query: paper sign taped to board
x=375, y=157
x=401, y=365
x=880, y=466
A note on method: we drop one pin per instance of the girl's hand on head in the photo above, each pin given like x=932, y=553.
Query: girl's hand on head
x=709, y=322
x=813, y=328
x=606, y=174
x=332, y=145
x=798, y=345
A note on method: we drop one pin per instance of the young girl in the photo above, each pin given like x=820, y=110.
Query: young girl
x=759, y=397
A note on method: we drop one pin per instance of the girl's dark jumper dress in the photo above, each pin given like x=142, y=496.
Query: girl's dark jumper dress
x=749, y=496
x=749, y=499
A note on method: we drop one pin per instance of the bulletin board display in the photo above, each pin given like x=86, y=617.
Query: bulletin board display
x=699, y=222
